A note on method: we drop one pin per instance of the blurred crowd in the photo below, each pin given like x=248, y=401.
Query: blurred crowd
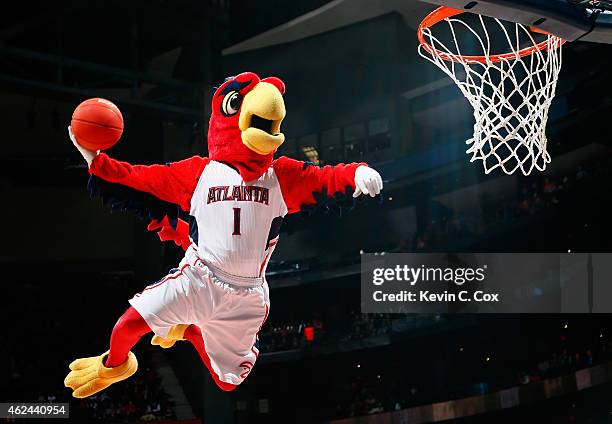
x=140, y=398
x=537, y=193
x=367, y=325
x=276, y=336
x=378, y=391
x=566, y=360
x=289, y=336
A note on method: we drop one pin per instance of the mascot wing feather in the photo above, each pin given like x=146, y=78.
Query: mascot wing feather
x=159, y=194
x=167, y=219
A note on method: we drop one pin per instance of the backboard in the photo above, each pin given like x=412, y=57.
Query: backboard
x=572, y=20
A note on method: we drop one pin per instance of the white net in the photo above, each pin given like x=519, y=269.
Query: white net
x=511, y=93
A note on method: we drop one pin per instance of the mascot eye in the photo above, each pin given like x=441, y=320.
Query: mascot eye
x=231, y=103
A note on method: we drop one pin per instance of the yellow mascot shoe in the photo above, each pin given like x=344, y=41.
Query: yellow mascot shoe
x=89, y=375
x=176, y=333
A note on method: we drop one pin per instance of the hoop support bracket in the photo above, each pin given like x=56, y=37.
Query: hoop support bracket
x=554, y=17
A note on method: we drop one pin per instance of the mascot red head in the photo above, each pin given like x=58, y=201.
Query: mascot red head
x=244, y=130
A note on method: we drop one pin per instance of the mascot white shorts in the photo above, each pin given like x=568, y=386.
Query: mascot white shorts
x=229, y=314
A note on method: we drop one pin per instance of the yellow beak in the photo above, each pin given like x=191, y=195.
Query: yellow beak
x=261, y=114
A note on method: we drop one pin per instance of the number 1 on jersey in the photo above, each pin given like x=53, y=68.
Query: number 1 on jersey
x=236, y=222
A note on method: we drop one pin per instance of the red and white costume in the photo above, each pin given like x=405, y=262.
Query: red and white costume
x=220, y=285
x=230, y=209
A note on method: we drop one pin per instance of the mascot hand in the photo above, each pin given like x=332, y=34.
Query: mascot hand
x=88, y=155
x=367, y=181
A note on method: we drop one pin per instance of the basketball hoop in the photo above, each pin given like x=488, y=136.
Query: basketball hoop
x=511, y=93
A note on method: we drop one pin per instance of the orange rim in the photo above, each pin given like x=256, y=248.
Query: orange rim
x=444, y=12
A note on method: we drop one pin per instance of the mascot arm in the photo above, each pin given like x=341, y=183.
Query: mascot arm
x=174, y=182
x=303, y=183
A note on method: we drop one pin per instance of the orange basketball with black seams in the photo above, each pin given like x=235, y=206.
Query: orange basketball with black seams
x=97, y=124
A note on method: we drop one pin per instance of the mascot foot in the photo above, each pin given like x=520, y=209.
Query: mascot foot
x=177, y=332
x=89, y=375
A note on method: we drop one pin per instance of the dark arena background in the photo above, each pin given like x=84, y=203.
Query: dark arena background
x=356, y=91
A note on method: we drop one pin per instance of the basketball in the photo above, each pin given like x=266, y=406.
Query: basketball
x=97, y=124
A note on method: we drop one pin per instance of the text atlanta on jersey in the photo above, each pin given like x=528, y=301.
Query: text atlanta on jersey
x=239, y=193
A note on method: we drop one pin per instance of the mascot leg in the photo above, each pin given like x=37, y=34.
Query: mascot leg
x=91, y=375
x=130, y=328
x=193, y=334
